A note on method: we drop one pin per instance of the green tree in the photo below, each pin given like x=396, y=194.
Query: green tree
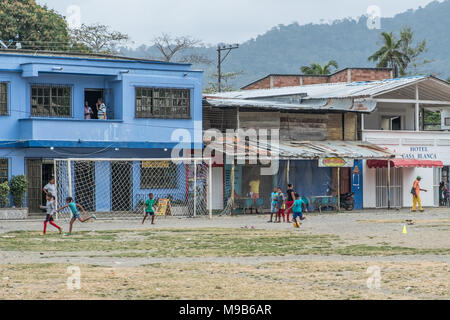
x=318, y=69
x=33, y=26
x=226, y=78
x=4, y=193
x=391, y=54
x=398, y=54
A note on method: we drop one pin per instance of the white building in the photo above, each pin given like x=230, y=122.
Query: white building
x=398, y=124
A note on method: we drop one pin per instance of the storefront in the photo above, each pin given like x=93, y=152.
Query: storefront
x=316, y=169
x=425, y=154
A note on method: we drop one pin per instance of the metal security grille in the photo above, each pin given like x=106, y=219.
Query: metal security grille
x=3, y=98
x=396, y=188
x=51, y=101
x=162, y=103
x=119, y=187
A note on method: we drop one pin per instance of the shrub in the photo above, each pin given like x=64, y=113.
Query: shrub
x=4, y=193
x=18, y=186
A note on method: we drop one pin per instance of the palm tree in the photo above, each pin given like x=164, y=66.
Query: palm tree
x=318, y=69
x=391, y=54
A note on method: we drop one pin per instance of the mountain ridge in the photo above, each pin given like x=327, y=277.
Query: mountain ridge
x=285, y=48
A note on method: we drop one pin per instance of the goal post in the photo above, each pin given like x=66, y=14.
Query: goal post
x=118, y=188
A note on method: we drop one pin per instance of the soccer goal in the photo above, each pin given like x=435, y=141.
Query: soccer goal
x=119, y=187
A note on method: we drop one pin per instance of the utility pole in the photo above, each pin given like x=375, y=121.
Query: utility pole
x=220, y=60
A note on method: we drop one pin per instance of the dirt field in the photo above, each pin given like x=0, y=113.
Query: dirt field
x=240, y=257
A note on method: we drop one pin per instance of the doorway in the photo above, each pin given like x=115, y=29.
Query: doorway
x=38, y=172
x=85, y=184
x=121, y=186
x=396, y=190
x=91, y=96
x=266, y=183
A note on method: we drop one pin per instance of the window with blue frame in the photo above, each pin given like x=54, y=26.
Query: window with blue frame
x=51, y=101
x=162, y=103
x=3, y=99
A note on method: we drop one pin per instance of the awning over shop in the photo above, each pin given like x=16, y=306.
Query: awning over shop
x=308, y=150
x=405, y=163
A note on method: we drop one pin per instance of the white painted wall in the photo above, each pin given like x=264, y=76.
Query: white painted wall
x=406, y=144
x=369, y=186
x=372, y=121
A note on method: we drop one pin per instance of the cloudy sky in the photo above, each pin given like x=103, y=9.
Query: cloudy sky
x=213, y=21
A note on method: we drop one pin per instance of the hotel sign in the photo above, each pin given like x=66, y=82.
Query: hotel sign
x=336, y=163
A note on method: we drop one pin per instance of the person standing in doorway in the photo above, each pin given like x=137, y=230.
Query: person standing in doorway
x=416, y=195
x=290, y=194
x=88, y=113
x=101, y=109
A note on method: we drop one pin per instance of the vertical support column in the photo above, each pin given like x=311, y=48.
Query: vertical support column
x=338, y=189
x=69, y=173
x=232, y=185
x=210, y=187
x=288, y=168
x=389, y=183
x=417, y=109
x=56, y=186
x=195, y=188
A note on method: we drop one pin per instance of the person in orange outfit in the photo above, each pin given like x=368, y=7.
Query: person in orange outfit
x=416, y=195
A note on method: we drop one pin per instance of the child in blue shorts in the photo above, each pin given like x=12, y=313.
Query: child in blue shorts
x=297, y=208
x=75, y=213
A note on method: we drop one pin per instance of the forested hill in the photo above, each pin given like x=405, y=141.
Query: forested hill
x=285, y=48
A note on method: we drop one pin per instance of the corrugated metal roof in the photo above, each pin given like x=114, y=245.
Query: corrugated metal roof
x=306, y=150
x=357, y=105
x=324, y=91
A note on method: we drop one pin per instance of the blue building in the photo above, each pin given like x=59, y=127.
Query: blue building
x=42, y=111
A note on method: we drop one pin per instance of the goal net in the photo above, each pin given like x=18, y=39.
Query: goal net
x=119, y=187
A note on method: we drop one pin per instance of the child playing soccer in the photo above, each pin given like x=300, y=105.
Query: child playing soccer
x=297, y=209
x=150, y=203
x=75, y=213
x=273, y=204
x=51, y=209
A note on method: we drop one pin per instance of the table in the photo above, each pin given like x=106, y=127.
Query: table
x=325, y=201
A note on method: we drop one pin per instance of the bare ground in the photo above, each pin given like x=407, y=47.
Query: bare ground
x=240, y=257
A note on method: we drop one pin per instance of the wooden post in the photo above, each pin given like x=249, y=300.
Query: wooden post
x=338, y=189
x=389, y=183
x=288, y=168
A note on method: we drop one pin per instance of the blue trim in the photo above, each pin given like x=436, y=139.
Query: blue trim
x=106, y=58
x=94, y=144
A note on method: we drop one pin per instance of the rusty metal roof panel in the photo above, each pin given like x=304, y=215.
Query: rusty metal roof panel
x=307, y=150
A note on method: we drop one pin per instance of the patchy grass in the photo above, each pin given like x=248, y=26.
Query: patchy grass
x=282, y=280
x=199, y=243
x=173, y=242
